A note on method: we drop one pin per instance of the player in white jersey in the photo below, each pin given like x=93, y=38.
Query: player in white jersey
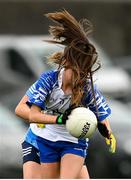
x=31, y=159
x=62, y=155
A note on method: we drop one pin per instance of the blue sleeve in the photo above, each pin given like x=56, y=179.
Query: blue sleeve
x=39, y=91
x=31, y=90
x=103, y=109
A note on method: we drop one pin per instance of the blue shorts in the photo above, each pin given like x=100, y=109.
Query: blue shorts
x=30, y=153
x=53, y=151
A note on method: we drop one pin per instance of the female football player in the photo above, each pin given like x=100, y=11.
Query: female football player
x=59, y=91
x=31, y=159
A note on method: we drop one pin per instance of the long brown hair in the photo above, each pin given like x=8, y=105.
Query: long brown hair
x=79, y=53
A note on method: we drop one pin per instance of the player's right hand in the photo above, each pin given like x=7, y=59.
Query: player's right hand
x=61, y=119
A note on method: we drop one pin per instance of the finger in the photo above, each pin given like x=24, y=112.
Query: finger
x=112, y=149
x=113, y=145
x=107, y=141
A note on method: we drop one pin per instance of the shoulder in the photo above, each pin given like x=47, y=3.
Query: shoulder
x=48, y=79
x=52, y=74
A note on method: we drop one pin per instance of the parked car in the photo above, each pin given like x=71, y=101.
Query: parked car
x=23, y=58
x=12, y=132
x=112, y=80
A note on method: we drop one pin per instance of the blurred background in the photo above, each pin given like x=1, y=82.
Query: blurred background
x=23, y=58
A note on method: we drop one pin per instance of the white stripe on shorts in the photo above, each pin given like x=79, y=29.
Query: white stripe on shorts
x=27, y=151
x=27, y=148
x=24, y=154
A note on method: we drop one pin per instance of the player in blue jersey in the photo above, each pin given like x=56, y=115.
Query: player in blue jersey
x=57, y=92
x=31, y=159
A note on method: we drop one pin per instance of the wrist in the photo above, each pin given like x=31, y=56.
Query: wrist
x=59, y=119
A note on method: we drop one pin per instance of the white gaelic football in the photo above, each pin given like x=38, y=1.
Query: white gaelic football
x=82, y=123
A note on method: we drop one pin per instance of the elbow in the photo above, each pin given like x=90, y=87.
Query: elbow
x=17, y=111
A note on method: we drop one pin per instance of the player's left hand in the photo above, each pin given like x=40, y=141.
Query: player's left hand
x=111, y=141
x=109, y=137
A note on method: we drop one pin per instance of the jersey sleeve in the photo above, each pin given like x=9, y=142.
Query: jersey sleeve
x=102, y=111
x=39, y=91
x=31, y=90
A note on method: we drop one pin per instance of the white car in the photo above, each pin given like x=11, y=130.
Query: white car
x=24, y=57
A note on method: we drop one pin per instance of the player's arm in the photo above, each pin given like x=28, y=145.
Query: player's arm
x=106, y=123
x=22, y=109
x=105, y=130
x=33, y=114
x=37, y=116
x=99, y=106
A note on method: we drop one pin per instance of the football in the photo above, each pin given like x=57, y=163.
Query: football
x=81, y=123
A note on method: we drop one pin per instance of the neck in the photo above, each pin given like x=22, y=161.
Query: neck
x=67, y=81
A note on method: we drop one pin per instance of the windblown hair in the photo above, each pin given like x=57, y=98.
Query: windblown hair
x=79, y=54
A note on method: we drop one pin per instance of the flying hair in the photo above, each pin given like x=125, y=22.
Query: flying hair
x=79, y=54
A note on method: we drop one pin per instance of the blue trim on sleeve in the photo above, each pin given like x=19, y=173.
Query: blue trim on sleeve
x=28, y=93
x=31, y=90
x=42, y=88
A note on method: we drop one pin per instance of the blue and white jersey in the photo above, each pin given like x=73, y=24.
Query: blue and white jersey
x=48, y=95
